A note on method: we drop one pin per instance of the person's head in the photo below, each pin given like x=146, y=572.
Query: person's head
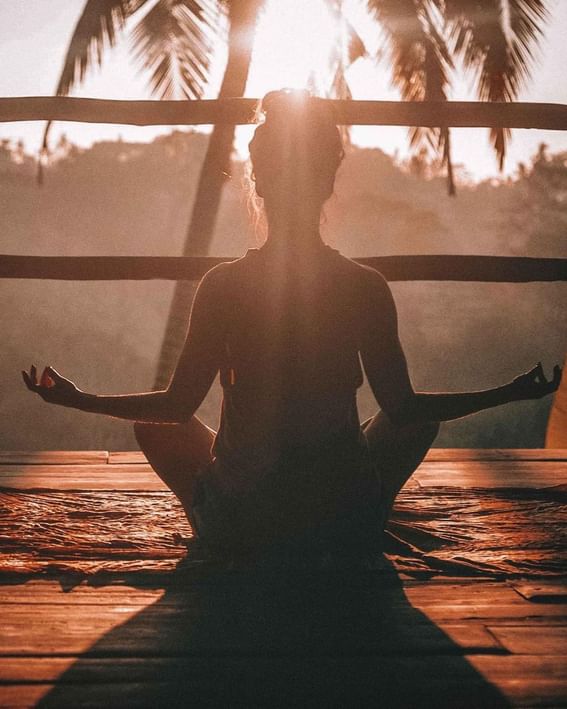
x=295, y=151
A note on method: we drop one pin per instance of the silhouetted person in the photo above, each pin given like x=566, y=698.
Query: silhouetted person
x=287, y=326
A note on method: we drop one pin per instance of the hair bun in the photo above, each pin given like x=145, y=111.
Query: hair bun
x=287, y=103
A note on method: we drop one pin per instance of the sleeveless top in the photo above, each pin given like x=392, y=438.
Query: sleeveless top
x=291, y=367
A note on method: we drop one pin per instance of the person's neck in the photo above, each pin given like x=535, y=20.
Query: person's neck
x=297, y=233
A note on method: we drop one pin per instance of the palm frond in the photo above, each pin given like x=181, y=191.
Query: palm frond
x=97, y=28
x=356, y=48
x=175, y=40
x=496, y=40
x=348, y=48
x=421, y=62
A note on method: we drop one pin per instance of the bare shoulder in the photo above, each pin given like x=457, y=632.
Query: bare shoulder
x=370, y=283
x=215, y=279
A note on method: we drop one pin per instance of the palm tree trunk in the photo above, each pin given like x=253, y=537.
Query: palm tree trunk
x=216, y=165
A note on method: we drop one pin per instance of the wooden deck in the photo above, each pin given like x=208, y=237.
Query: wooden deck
x=271, y=636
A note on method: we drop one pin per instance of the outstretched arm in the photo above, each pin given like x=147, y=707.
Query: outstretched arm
x=195, y=372
x=386, y=368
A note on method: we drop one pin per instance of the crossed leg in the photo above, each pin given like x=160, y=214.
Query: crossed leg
x=397, y=451
x=177, y=452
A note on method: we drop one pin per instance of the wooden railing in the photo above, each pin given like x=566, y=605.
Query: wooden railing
x=456, y=114
x=241, y=111
x=395, y=268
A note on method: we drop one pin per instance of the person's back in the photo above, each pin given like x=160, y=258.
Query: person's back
x=291, y=366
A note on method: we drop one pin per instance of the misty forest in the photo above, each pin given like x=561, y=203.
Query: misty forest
x=119, y=198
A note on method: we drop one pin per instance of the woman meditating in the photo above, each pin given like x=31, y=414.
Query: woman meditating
x=287, y=326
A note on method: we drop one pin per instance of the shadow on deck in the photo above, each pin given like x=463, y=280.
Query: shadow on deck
x=281, y=639
x=137, y=625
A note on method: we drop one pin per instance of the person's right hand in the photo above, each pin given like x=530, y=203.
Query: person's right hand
x=52, y=387
x=534, y=385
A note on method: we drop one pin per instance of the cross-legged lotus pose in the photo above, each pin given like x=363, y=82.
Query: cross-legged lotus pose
x=287, y=327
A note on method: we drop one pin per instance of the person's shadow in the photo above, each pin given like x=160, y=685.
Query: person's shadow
x=268, y=637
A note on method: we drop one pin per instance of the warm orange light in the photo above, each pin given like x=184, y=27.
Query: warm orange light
x=294, y=45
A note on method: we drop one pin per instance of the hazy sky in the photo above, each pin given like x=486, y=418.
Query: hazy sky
x=293, y=37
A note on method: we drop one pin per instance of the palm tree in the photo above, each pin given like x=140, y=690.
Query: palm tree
x=494, y=39
x=174, y=39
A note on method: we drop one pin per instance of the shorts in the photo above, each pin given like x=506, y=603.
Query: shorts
x=332, y=499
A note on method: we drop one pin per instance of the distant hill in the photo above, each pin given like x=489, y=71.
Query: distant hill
x=121, y=198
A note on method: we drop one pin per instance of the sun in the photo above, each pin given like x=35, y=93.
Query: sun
x=294, y=47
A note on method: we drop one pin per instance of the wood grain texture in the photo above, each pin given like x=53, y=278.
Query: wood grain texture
x=434, y=455
x=532, y=640
x=509, y=454
x=462, y=114
x=543, y=592
x=443, y=267
x=222, y=639
x=53, y=457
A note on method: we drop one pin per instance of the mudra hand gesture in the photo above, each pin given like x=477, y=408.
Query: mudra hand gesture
x=52, y=387
x=534, y=385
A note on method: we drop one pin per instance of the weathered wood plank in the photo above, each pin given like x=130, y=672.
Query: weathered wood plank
x=536, y=474
x=139, y=477
x=126, y=457
x=170, y=607
x=462, y=594
x=318, y=682
x=137, y=483
x=170, y=638
x=47, y=670
x=120, y=669
x=51, y=592
x=434, y=455
x=161, y=629
x=102, y=470
x=544, y=592
x=52, y=457
x=482, y=611
x=463, y=114
x=532, y=640
x=73, y=602
x=432, y=591
x=510, y=454
x=443, y=267
x=23, y=696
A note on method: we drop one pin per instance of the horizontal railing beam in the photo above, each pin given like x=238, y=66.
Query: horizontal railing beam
x=495, y=269
x=458, y=114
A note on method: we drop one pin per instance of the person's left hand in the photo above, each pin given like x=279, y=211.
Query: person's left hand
x=52, y=387
x=534, y=384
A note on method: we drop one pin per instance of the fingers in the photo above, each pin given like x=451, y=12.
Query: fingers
x=47, y=379
x=557, y=374
x=27, y=380
x=539, y=374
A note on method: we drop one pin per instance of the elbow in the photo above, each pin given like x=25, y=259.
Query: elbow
x=413, y=413
x=180, y=407
x=405, y=413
